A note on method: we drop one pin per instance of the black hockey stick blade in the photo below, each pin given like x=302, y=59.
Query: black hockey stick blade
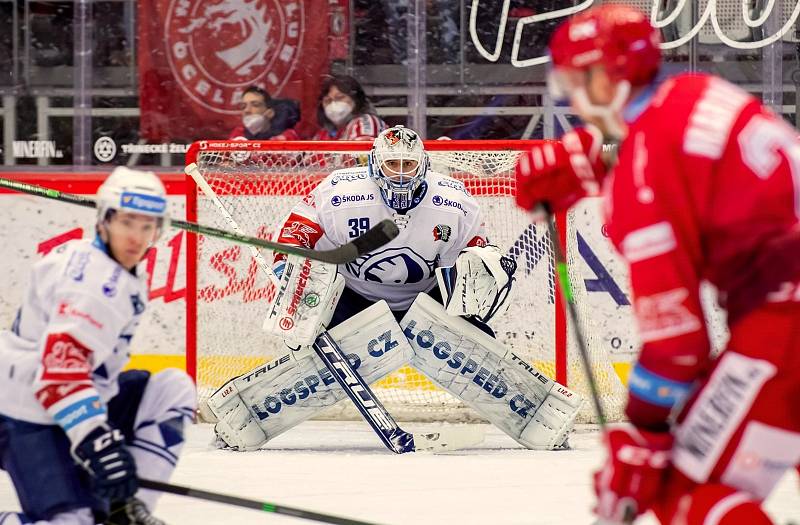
x=374, y=238
x=248, y=503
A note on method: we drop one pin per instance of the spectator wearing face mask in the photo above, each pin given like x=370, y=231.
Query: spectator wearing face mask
x=344, y=112
x=266, y=118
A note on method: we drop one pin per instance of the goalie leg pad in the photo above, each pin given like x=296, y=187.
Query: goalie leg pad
x=255, y=407
x=514, y=396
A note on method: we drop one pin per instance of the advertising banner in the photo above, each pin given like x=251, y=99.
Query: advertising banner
x=196, y=58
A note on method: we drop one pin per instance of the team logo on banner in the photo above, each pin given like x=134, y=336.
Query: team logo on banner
x=217, y=49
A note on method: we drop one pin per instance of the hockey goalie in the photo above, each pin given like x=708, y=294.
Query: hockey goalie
x=424, y=299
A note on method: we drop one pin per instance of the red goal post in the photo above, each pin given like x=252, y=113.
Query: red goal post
x=259, y=181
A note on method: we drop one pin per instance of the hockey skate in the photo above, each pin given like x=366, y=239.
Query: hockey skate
x=132, y=512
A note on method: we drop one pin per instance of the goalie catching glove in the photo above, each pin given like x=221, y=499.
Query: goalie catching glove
x=478, y=283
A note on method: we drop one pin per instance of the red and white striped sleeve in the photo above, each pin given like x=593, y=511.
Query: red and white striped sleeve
x=301, y=228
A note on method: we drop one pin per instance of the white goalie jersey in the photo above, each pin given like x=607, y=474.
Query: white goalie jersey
x=444, y=220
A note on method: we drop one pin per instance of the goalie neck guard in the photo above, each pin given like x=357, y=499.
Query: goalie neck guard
x=398, y=164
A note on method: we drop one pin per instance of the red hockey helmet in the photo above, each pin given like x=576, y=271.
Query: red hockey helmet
x=616, y=36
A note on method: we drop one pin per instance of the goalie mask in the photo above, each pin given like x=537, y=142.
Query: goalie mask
x=133, y=191
x=398, y=164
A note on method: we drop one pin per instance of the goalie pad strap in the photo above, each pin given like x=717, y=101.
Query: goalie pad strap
x=458, y=357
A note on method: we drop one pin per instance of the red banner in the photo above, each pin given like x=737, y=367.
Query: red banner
x=196, y=57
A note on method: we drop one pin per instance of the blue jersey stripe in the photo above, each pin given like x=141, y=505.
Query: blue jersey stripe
x=80, y=411
x=656, y=389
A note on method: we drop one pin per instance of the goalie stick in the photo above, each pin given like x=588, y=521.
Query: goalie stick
x=396, y=439
x=373, y=238
x=247, y=503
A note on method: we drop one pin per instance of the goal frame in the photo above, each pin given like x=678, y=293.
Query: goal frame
x=560, y=322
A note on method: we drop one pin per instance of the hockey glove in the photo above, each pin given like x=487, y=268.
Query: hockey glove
x=561, y=173
x=103, y=454
x=632, y=476
x=478, y=283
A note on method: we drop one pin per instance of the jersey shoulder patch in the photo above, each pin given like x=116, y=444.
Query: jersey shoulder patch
x=449, y=194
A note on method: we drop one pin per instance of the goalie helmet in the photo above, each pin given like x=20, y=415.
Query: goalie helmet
x=391, y=170
x=133, y=191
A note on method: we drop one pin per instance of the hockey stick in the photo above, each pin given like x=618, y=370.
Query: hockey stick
x=365, y=401
x=569, y=299
x=374, y=238
x=247, y=503
x=372, y=410
x=572, y=310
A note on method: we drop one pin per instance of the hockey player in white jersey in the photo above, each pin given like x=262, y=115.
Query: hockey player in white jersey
x=75, y=430
x=385, y=309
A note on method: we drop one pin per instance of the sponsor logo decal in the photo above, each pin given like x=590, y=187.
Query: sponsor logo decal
x=311, y=300
x=438, y=200
x=105, y=149
x=338, y=200
x=110, y=286
x=67, y=310
x=76, y=265
x=348, y=177
x=144, y=203
x=454, y=184
x=286, y=323
x=36, y=149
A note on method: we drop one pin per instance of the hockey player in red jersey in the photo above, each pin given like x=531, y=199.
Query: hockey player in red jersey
x=706, y=187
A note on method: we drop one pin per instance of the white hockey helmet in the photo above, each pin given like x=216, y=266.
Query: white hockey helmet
x=133, y=191
x=398, y=184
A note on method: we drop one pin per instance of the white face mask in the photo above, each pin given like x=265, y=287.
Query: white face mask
x=338, y=111
x=254, y=123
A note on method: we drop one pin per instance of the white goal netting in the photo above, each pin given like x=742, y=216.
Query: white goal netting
x=259, y=182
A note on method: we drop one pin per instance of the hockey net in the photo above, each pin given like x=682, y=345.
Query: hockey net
x=259, y=182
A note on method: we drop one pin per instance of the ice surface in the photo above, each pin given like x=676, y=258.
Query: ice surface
x=342, y=468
